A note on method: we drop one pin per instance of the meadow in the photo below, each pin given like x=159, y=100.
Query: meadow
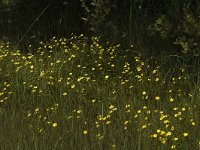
x=72, y=94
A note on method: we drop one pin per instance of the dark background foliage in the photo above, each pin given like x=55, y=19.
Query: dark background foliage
x=35, y=20
x=150, y=25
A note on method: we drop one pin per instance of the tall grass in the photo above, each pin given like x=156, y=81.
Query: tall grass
x=74, y=94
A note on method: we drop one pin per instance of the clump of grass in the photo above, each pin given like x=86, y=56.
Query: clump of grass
x=70, y=94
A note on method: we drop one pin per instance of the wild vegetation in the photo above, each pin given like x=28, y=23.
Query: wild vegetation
x=80, y=93
x=128, y=78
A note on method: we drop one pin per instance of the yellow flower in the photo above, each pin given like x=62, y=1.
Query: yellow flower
x=168, y=133
x=55, y=124
x=175, y=108
x=144, y=93
x=128, y=111
x=193, y=123
x=175, y=139
x=166, y=121
x=64, y=94
x=128, y=105
x=144, y=126
x=85, y=132
x=185, y=134
x=106, y=77
x=157, y=98
x=183, y=109
x=163, y=141
x=79, y=79
x=190, y=95
x=104, y=118
x=73, y=86
x=145, y=107
x=111, y=107
x=158, y=130
x=172, y=128
x=113, y=146
x=175, y=115
x=93, y=101
x=173, y=146
x=139, y=68
x=126, y=122
x=171, y=99
x=162, y=132
x=58, y=61
x=154, y=135
x=31, y=66
x=108, y=122
x=78, y=111
x=112, y=65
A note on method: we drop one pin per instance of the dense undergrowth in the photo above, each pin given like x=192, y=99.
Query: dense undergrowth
x=69, y=94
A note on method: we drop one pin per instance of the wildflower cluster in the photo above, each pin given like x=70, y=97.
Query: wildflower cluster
x=84, y=90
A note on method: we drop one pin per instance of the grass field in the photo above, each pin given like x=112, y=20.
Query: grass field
x=73, y=95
